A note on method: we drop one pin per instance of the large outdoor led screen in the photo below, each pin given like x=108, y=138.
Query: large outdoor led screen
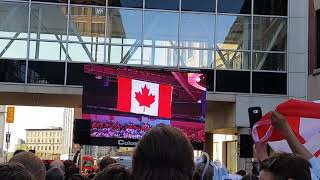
x=123, y=103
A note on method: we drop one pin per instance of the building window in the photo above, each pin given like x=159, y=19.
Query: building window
x=45, y=148
x=162, y=4
x=196, y=5
x=271, y=7
x=41, y=147
x=233, y=32
x=41, y=14
x=161, y=28
x=234, y=6
x=53, y=148
x=49, y=148
x=197, y=30
x=270, y=34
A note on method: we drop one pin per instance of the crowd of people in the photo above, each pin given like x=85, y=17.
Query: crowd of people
x=117, y=130
x=136, y=131
x=164, y=153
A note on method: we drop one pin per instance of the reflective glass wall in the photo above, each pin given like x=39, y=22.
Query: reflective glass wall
x=236, y=39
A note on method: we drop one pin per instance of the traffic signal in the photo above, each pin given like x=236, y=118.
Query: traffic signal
x=10, y=114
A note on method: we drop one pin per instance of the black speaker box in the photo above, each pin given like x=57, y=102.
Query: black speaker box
x=246, y=146
x=81, y=131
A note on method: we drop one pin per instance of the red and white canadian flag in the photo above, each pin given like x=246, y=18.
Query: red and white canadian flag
x=304, y=119
x=143, y=97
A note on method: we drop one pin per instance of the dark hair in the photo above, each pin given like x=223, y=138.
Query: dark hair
x=199, y=170
x=14, y=171
x=18, y=151
x=72, y=170
x=249, y=177
x=285, y=166
x=114, y=171
x=68, y=163
x=32, y=164
x=163, y=153
x=105, y=162
x=55, y=173
x=241, y=172
x=77, y=177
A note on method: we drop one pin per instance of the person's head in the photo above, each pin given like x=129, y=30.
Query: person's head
x=105, y=162
x=199, y=171
x=58, y=164
x=71, y=170
x=77, y=177
x=163, y=153
x=18, y=151
x=285, y=167
x=55, y=173
x=249, y=177
x=14, y=171
x=242, y=172
x=68, y=163
x=114, y=171
x=32, y=164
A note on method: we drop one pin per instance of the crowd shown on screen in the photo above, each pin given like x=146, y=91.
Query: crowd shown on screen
x=164, y=153
x=136, y=131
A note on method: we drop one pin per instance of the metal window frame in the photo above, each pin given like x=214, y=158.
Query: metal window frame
x=179, y=47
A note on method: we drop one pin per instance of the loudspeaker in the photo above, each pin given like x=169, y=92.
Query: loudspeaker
x=81, y=131
x=255, y=114
x=246, y=145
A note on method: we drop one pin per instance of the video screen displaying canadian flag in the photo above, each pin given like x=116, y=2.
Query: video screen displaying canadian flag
x=124, y=103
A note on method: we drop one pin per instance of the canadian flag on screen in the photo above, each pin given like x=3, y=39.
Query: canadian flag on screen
x=304, y=119
x=143, y=97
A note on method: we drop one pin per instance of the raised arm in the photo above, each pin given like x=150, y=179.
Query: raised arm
x=280, y=123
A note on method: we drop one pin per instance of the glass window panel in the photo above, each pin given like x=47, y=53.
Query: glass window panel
x=232, y=60
x=13, y=48
x=125, y=54
x=233, y=32
x=124, y=26
x=161, y=28
x=269, y=61
x=197, y=30
x=269, y=83
x=86, y=52
x=126, y=3
x=12, y=70
x=41, y=72
x=75, y=74
x=162, y=4
x=233, y=81
x=234, y=6
x=87, y=24
x=48, y=21
x=271, y=7
x=196, y=58
x=13, y=19
x=160, y=56
x=89, y=2
x=270, y=34
x=48, y=50
x=53, y=1
x=196, y=5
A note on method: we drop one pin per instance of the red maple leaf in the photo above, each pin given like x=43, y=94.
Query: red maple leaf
x=144, y=98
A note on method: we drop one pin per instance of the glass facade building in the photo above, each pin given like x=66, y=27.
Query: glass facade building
x=242, y=45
